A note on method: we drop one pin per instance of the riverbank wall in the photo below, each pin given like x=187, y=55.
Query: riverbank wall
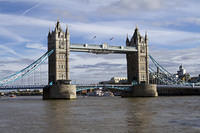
x=164, y=90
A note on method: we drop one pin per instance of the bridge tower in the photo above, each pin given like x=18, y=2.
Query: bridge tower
x=137, y=62
x=138, y=65
x=58, y=65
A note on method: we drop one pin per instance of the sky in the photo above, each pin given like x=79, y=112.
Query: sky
x=172, y=28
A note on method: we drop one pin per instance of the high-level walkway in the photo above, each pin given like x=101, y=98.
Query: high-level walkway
x=101, y=49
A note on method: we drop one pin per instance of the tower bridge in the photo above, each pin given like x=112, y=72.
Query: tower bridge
x=136, y=51
x=139, y=72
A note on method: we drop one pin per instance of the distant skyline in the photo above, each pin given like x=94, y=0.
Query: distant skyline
x=173, y=29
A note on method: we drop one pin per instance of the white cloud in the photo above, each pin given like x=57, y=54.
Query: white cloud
x=8, y=50
x=129, y=5
x=158, y=36
x=36, y=46
x=173, y=37
x=132, y=8
x=194, y=20
x=89, y=67
x=104, y=30
x=11, y=35
x=171, y=59
x=16, y=20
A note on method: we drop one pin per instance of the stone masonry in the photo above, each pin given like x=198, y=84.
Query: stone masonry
x=59, y=83
x=137, y=62
x=59, y=60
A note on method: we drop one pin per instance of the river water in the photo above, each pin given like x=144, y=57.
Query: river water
x=100, y=115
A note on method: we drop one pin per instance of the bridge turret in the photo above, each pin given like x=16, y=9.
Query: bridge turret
x=58, y=32
x=135, y=38
x=146, y=38
x=127, y=41
x=67, y=36
x=58, y=27
x=67, y=30
x=49, y=34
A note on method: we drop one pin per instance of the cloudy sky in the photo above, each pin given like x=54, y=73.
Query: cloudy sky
x=172, y=27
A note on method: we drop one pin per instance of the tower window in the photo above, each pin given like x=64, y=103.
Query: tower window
x=143, y=78
x=61, y=44
x=142, y=50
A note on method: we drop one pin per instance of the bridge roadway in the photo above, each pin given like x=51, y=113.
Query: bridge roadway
x=79, y=87
x=101, y=49
x=90, y=86
x=163, y=90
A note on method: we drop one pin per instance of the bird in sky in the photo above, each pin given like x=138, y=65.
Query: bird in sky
x=94, y=37
x=111, y=38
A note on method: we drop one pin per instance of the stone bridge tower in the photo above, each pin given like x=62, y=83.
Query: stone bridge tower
x=59, y=83
x=138, y=67
x=59, y=41
x=137, y=62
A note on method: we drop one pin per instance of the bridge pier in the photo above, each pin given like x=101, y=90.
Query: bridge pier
x=145, y=90
x=142, y=90
x=61, y=90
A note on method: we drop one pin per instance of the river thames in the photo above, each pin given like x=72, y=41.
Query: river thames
x=100, y=115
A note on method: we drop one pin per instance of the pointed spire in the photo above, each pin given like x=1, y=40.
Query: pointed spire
x=67, y=30
x=67, y=36
x=58, y=22
x=57, y=25
x=49, y=32
x=136, y=34
x=136, y=27
x=127, y=39
x=146, y=36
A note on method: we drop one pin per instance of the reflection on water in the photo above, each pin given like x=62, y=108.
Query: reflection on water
x=100, y=114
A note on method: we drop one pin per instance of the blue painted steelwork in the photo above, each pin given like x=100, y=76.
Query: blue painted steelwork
x=166, y=77
x=158, y=65
x=22, y=87
x=26, y=70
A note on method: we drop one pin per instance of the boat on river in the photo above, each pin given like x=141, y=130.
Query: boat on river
x=12, y=95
